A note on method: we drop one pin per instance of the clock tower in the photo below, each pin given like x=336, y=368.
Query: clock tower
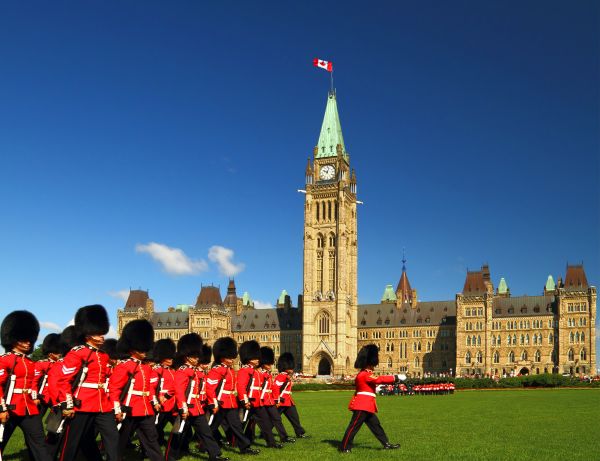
x=330, y=254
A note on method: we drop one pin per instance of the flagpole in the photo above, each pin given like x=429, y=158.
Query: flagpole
x=332, y=81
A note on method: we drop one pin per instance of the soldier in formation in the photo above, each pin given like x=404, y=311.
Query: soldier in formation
x=98, y=393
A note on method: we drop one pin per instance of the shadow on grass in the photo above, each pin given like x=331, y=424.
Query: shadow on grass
x=18, y=456
x=337, y=444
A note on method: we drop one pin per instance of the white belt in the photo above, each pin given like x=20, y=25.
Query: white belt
x=370, y=394
x=93, y=385
x=22, y=391
x=268, y=391
x=141, y=393
x=286, y=392
x=226, y=392
x=163, y=391
x=255, y=388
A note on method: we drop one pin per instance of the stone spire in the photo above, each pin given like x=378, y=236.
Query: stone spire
x=231, y=298
x=404, y=293
x=331, y=132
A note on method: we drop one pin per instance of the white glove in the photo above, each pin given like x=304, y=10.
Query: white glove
x=400, y=377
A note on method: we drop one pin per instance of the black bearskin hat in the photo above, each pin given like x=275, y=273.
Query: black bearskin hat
x=267, y=356
x=137, y=335
x=110, y=347
x=190, y=345
x=286, y=362
x=249, y=350
x=52, y=345
x=91, y=320
x=206, y=354
x=19, y=326
x=224, y=348
x=69, y=338
x=367, y=356
x=164, y=349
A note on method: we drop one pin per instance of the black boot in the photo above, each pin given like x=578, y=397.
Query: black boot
x=391, y=446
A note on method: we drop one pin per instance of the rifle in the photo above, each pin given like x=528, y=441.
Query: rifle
x=42, y=386
x=248, y=391
x=10, y=387
x=190, y=393
x=161, y=383
x=220, y=387
x=126, y=395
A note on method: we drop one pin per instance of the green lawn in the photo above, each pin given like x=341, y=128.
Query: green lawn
x=469, y=425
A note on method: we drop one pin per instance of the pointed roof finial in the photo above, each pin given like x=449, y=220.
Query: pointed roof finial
x=331, y=131
x=403, y=260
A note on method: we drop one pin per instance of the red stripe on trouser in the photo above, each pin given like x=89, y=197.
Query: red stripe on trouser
x=62, y=453
x=350, y=432
x=168, y=446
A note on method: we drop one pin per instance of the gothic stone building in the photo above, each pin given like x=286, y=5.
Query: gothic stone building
x=483, y=331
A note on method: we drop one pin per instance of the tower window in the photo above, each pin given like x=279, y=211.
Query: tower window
x=323, y=320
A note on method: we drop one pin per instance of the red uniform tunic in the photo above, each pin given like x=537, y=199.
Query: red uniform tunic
x=42, y=367
x=248, y=385
x=364, y=396
x=92, y=393
x=216, y=375
x=266, y=394
x=283, y=384
x=165, y=387
x=52, y=388
x=203, y=396
x=187, y=397
x=23, y=368
x=142, y=395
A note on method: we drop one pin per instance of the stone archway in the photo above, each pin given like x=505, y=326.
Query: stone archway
x=324, y=368
x=524, y=371
x=322, y=364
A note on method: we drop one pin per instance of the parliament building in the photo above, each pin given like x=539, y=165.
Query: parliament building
x=484, y=330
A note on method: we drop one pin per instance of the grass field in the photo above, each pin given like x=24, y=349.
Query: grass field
x=469, y=425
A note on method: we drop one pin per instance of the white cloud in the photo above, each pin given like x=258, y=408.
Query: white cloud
x=223, y=258
x=50, y=326
x=121, y=294
x=173, y=260
x=260, y=305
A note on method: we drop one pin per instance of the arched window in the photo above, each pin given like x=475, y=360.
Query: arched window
x=582, y=337
x=419, y=346
x=527, y=339
x=524, y=355
x=493, y=340
x=468, y=340
x=468, y=357
x=329, y=210
x=550, y=338
x=522, y=339
x=538, y=356
x=479, y=340
x=514, y=339
x=511, y=357
x=496, y=357
x=389, y=363
x=577, y=337
x=479, y=357
x=417, y=362
x=571, y=337
x=317, y=208
x=332, y=240
x=323, y=320
x=571, y=355
x=583, y=354
x=320, y=241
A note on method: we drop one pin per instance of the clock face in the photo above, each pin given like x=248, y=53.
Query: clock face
x=327, y=172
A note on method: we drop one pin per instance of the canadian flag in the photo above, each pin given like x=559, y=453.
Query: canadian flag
x=327, y=65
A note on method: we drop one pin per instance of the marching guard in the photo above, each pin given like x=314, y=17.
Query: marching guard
x=132, y=385
x=220, y=389
x=363, y=404
x=81, y=388
x=269, y=394
x=249, y=386
x=164, y=353
x=283, y=383
x=53, y=349
x=18, y=399
x=188, y=381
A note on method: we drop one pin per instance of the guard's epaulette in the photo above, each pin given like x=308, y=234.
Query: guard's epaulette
x=78, y=348
x=183, y=367
x=6, y=354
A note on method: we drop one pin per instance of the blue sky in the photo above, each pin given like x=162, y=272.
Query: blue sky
x=473, y=128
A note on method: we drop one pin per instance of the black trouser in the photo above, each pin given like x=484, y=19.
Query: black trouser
x=163, y=419
x=81, y=426
x=232, y=417
x=202, y=430
x=275, y=418
x=291, y=413
x=259, y=415
x=358, y=418
x=34, y=435
x=146, y=432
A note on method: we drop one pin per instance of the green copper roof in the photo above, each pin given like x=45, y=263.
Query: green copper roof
x=550, y=285
x=281, y=300
x=183, y=307
x=246, y=300
x=388, y=294
x=502, y=287
x=331, y=131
